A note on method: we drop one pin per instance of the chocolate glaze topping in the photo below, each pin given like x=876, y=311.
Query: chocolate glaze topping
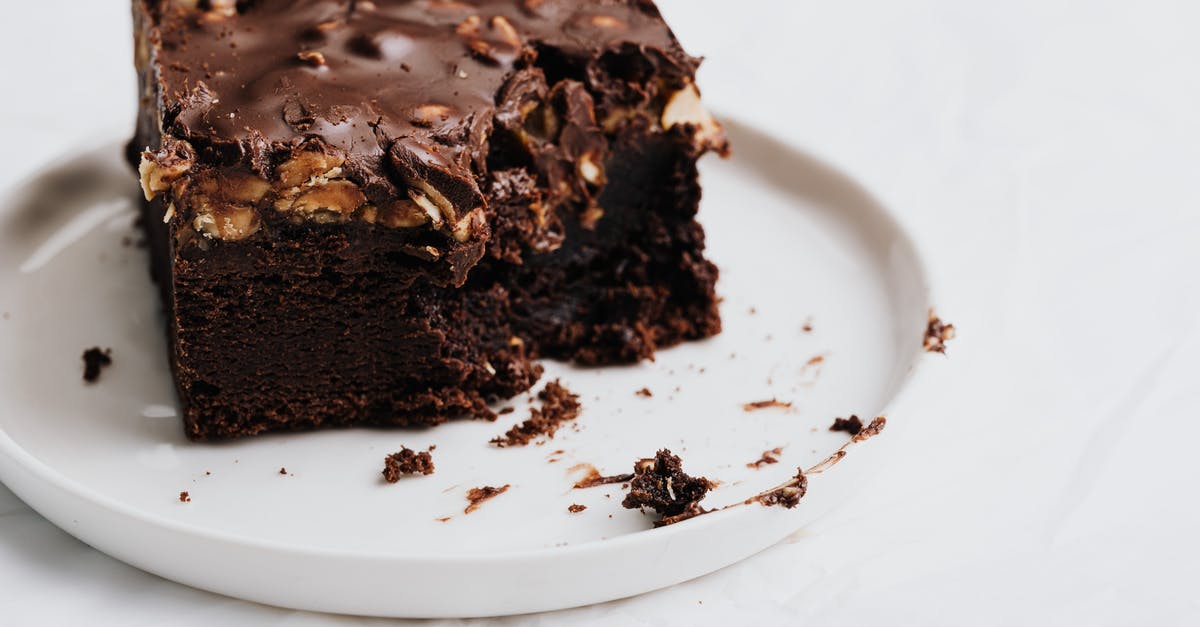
x=413, y=86
x=355, y=69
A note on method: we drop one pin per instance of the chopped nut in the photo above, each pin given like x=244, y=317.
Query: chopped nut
x=591, y=217
x=312, y=57
x=157, y=177
x=226, y=8
x=307, y=165
x=507, y=32
x=617, y=117
x=423, y=201
x=222, y=203
x=937, y=333
x=471, y=222
x=590, y=171
x=430, y=114
x=427, y=195
x=481, y=49
x=232, y=223
x=470, y=27
x=333, y=201
x=471, y=30
x=608, y=21
x=216, y=188
x=403, y=213
x=684, y=107
x=368, y=214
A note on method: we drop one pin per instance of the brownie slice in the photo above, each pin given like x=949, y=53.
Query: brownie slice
x=381, y=212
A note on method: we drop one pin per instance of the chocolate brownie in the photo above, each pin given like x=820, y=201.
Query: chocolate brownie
x=380, y=212
x=660, y=484
x=95, y=360
x=407, y=462
x=559, y=405
x=852, y=425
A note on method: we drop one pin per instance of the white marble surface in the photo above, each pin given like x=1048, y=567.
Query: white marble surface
x=1047, y=152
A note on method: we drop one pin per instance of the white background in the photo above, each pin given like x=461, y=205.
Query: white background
x=1047, y=155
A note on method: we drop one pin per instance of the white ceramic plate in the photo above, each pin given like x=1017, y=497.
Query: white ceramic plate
x=796, y=242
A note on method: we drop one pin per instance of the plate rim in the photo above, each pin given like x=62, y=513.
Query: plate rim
x=910, y=387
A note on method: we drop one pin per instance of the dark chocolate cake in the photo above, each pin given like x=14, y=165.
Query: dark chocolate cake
x=379, y=212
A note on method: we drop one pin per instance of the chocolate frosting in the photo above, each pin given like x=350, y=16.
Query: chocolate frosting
x=414, y=83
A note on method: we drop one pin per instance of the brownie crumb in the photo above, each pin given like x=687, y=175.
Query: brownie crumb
x=807, y=327
x=875, y=428
x=559, y=405
x=576, y=508
x=660, y=484
x=184, y=497
x=506, y=411
x=477, y=496
x=283, y=471
x=852, y=425
x=768, y=457
x=768, y=404
x=593, y=478
x=645, y=393
x=937, y=333
x=443, y=519
x=787, y=495
x=693, y=510
x=407, y=462
x=94, y=360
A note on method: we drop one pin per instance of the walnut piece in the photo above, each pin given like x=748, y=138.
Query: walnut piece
x=428, y=206
x=312, y=58
x=430, y=114
x=471, y=222
x=333, y=201
x=214, y=188
x=157, y=176
x=402, y=213
x=590, y=218
x=590, y=171
x=230, y=223
x=608, y=21
x=305, y=166
x=506, y=32
x=684, y=107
